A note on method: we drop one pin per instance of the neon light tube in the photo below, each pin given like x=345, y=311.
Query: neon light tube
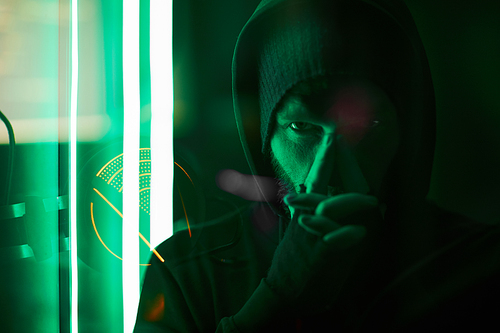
x=131, y=145
x=162, y=106
x=73, y=139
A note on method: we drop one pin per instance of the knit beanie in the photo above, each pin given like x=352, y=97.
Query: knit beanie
x=290, y=53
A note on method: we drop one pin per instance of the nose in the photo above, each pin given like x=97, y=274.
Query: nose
x=320, y=172
x=335, y=164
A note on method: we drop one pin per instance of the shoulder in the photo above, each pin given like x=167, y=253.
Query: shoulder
x=222, y=261
x=237, y=234
x=457, y=284
x=201, y=239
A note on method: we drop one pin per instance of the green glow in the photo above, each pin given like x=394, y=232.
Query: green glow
x=131, y=140
x=73, y=140
x=162, y=106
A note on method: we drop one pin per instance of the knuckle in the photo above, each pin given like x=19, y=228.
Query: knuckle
x=320, y=209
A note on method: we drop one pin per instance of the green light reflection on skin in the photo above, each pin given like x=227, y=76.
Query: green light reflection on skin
x=301, y=123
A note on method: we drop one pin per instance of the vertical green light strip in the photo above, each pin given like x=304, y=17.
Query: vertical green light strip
x=131, y=145
x=73, y=180
x=162, y=106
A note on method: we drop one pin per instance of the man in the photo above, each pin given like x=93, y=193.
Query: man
x=334, y=99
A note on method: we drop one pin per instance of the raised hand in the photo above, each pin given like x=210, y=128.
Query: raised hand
x=325, y=238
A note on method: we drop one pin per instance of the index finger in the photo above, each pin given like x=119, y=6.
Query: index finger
x=321, y=169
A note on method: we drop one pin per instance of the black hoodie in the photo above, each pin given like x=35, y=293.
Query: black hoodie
x=427, y=271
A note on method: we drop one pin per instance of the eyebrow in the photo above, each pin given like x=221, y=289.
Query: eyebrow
x=288, y=112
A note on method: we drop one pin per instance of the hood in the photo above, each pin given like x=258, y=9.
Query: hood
x=409, y=174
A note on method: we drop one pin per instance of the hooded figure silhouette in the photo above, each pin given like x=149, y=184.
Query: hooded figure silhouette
x=335, y=109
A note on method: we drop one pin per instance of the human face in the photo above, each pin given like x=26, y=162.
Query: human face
x=361, y=118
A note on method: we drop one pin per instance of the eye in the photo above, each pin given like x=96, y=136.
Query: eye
x=301, y=126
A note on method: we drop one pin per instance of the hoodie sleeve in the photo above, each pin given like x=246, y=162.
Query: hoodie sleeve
x=261, y=311
x=162, y=306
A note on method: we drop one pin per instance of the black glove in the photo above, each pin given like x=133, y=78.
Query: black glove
x=320, y=249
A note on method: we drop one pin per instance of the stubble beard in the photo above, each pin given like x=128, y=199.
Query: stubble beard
x=284, y=182
x=287, y=186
